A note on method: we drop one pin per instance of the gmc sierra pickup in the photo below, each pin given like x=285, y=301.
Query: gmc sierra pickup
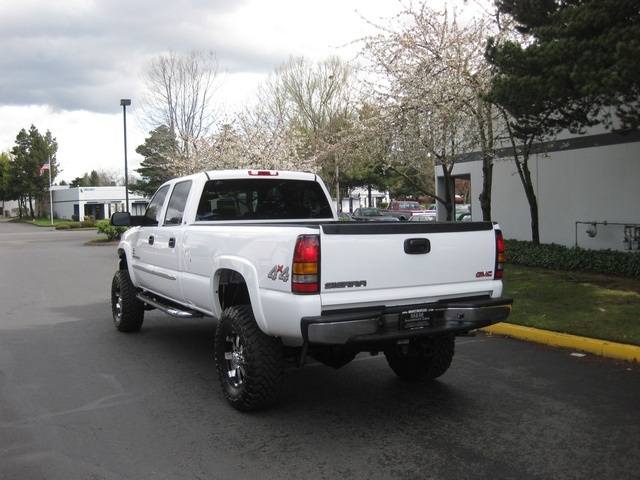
x=263, y=253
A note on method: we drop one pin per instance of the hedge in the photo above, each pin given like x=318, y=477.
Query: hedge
x=559, y=257
x=68, y=225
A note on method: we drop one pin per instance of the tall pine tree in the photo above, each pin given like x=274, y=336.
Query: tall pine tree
x=580, y=58
x=31, y=152
x=158, y=151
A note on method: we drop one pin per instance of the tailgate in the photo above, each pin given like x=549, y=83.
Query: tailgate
x=406, y=263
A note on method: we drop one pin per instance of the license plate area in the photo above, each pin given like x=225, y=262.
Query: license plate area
x=416, y=319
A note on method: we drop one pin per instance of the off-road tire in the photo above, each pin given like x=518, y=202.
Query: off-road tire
x=250, y=364
x=127, y=309
x=421, y=359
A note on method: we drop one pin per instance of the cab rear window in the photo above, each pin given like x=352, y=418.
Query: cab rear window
x=262, y=198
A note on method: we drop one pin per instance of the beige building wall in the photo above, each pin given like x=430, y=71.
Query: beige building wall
x=581, y=179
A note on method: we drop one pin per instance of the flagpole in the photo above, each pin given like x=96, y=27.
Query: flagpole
x=50, y=193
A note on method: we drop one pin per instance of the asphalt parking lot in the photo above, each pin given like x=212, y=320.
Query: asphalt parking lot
x=80, y=400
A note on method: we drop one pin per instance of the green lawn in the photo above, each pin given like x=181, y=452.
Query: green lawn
x=41, y=222
x=44, y=222
x=585, y=304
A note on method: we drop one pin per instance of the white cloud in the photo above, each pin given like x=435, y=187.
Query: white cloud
x=66, y=64
x=86, y=141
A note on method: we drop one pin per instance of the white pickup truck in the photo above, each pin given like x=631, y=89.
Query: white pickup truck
x=264, y=254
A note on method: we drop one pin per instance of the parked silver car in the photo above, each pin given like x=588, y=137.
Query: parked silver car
x=423, y=217
x=371, y=214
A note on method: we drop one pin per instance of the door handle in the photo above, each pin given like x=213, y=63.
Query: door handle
x=151, y=240
x=172, y=242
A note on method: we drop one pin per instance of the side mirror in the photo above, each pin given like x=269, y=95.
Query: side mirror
x=121, y=219
x=125, y=219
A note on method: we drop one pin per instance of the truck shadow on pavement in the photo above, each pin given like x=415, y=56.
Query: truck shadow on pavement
x=182, y=349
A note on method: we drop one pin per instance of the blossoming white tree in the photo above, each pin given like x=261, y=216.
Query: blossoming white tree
x=433, y=72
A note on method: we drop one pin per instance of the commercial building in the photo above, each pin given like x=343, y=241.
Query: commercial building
x=79, y=202
x=97, y=202
x=587, y=188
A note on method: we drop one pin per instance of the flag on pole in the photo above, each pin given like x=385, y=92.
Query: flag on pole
x=44, y=167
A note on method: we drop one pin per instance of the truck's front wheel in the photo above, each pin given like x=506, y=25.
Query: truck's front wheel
x=250, y=363
x=127, y=309
x=421, y=359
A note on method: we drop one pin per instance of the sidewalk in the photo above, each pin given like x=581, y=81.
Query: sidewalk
x=601, y=348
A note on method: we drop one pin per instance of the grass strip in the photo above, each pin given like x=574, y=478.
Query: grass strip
x=585, y=304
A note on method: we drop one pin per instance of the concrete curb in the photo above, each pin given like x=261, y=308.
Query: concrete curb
x=601, y=348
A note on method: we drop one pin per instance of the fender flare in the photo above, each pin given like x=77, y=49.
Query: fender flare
x=124, y=259
x=250, y=275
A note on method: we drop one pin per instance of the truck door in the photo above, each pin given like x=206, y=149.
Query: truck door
x=142, y=248
x=168, y=245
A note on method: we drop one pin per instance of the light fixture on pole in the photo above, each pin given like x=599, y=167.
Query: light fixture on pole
x=125, y=102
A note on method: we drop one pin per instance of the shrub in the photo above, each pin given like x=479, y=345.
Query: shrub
x=112, y=233
x=558, y=257
x=68, y=225
x=88, y=223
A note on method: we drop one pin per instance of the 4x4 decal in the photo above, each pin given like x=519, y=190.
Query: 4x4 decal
x=279, y=272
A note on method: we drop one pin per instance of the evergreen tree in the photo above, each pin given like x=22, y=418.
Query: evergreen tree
x=84, y=181
x=578, y=58
x=157, y=167
x=5, y=174
x=94, y=179
x=28, y=181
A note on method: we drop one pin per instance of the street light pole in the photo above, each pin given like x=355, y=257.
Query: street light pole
x=125, y=102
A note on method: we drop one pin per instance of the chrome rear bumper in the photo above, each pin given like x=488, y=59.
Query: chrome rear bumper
x=392, y=324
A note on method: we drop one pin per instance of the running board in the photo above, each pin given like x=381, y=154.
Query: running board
x=173, y=311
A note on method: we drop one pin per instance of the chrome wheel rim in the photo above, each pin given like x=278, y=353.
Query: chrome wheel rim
x=235, y=360
x=118, y=304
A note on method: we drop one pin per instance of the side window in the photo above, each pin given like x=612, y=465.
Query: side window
x=155, y=205
x=177, y=202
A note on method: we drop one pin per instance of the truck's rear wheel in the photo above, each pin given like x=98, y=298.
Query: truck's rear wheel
x=250, y=363
x=127, y=309
x=421, y=359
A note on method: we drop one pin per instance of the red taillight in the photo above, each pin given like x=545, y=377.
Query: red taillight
x=263, y=173
x=500, y=256
x=306, y=261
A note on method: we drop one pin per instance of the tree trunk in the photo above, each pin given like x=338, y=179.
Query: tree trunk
x=522, y=164
x=533, y=203
x=449, y=196
x=31, y=207
x=487, y=183
x=529, y=190
x=485, y=130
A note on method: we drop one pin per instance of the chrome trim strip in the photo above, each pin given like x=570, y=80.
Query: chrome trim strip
x=142, y=269
x=153, y=272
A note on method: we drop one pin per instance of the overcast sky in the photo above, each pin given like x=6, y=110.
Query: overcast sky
x=65, y=64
